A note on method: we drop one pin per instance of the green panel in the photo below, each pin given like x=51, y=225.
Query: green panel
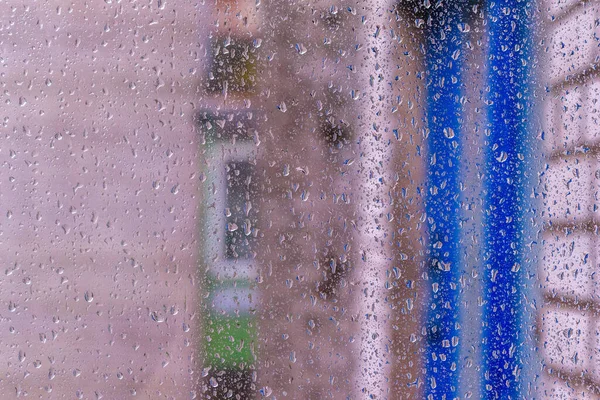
x=228, y=341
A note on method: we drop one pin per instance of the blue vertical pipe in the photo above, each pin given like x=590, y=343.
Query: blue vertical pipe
x=442, y=201
x=509, y=23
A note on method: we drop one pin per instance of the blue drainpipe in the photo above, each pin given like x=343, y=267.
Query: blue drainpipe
x=509, y=23
x=443, y=41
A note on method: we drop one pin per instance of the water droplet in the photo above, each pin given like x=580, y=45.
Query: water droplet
x=502, y=157
x=305, y=195
x=300, y=48
x=157, y=317
x=464, y=27
x=449, y=133
x=494, y=274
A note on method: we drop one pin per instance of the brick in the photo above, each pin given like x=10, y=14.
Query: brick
x=553, y=8
x=566, y=341
x=553, y=388
x=592, y=112
x=572, y=44
x=596, y=276
x=569, y=190
x=549, y=124
x=595, y=353
x=570, y=118
x=567, y=265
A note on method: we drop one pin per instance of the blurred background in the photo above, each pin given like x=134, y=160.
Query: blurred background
x=251, y=199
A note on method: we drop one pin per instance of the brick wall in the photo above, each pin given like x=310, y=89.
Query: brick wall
x=568, y=323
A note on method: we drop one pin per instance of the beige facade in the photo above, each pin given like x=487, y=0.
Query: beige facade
x=99, y=195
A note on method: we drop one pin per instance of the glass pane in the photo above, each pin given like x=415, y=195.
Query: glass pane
x=262, y=199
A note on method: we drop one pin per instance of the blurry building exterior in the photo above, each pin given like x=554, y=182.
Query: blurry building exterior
x=192, y=196
x=301, y=250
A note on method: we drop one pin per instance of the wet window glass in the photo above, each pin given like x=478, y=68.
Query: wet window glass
x=247, y=199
